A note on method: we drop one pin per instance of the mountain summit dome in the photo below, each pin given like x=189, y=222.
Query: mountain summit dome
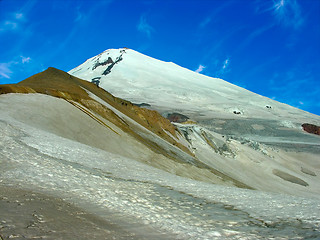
x=168, y=87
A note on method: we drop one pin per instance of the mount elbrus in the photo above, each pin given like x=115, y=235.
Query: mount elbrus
x=158, y=145
x=224, y=126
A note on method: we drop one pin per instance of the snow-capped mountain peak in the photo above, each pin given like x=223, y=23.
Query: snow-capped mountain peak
x=141, y=79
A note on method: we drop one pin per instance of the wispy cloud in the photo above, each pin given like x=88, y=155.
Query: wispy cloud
x=222, y=67
x=13, y=22
x=225, y=67
x=25, y=59
x=214, y=13
x=79, y=15
x=4, y=70
x=10, y=25
x=200, y=69
x=226, y=63
x=19, y=16
x=286, y=12
x=144, y=27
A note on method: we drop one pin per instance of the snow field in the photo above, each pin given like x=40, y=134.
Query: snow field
x=98, y=180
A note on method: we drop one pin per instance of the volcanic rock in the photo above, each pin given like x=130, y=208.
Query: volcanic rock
x=311, y=128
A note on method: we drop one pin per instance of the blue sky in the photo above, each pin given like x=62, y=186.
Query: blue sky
x=270, y=47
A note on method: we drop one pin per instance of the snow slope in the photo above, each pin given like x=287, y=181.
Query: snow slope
x=148, y=202
x=169, y=87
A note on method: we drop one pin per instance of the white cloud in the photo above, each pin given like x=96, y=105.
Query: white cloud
x=25, y=59
x=4, y=70
x=200, y=69
x=13, y=23
x=279, y=5
x=10, y=25
x=222, y=67
x=19, y=16
x=225, y=64
x=144, y=27
x=288, y=12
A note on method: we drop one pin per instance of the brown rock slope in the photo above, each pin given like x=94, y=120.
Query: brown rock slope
x=60, y=84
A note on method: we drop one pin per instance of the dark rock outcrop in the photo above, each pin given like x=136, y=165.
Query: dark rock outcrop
x=142, y=104
x=311, y=128
x=97, y=64
x=177, y=117
x=96, y=81
x=108, y=69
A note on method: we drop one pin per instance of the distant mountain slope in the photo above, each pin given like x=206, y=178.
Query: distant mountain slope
x=213, y=103
x=251, y=138
x=166, y=87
